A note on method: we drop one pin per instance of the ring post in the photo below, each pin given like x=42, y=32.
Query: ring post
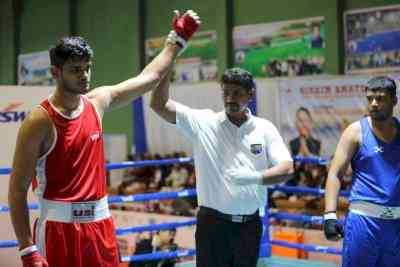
x=265, y=246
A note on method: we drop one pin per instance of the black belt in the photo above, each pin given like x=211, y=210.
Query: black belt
x=229, y=217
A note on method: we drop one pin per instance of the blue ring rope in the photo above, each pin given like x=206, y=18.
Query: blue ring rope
x=159, y=255
x=153, y=227
x=145, y=163
x=299, y=217
x=307, y=247
x=191, y=193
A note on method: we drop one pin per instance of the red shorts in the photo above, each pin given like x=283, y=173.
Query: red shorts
x=77, y=244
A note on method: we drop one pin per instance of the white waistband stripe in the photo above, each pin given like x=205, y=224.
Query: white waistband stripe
x=79, y=212
x=375, y=210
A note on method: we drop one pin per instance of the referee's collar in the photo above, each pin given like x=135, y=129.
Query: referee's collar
x=249, y=121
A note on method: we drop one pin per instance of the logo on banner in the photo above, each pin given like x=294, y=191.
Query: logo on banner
x=10, y=114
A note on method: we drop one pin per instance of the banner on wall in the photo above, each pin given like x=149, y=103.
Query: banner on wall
x=15, y=104
x=332, y=103
x=286, y=48
x=197, y=63
x=34, y=69
x=372, y=39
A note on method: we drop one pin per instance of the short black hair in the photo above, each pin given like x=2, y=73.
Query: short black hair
x=382, y=83
x=66, y=48
x=238, y=76
x=305, y=110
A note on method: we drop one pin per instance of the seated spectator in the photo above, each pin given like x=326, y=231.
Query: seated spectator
x=157, y=181
x=137, y=180
x=177, y=178
x=160, y=241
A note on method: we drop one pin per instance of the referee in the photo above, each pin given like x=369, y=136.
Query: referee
x=235, y=153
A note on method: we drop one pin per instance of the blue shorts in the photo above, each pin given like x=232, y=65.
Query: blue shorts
x=371, y=242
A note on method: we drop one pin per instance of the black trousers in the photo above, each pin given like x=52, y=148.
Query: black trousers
x=222, y=243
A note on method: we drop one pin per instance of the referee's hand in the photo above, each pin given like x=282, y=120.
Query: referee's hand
x=244, y=176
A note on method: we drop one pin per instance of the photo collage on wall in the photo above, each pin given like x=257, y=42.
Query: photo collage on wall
x=372, y=40
x=281, y=49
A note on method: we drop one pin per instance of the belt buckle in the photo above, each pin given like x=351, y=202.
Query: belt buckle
x=82, y=212
x=237, y=218
x=387, y=213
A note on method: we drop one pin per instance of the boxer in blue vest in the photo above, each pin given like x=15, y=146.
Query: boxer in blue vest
x=372, y=147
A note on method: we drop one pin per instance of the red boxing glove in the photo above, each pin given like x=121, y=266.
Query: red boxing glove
x=186, y=25
x=31, y=257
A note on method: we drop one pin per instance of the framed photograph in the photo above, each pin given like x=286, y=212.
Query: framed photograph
x=279, y=49
x=372, y=40
x=34, y=69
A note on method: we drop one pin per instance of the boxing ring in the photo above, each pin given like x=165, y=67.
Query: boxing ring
x=266, y=242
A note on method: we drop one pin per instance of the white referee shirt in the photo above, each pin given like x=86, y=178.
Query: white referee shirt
x=219, y=145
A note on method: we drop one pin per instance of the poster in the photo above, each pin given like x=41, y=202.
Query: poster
x=372, y=40
x=34, y=69
x=286, y=48
x=197, y=63
x=332, y=104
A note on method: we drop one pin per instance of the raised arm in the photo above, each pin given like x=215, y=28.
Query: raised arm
x=31, y=142
x=161, y=103
x=107, y=97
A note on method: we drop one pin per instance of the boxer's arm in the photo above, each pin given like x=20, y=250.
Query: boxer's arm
x=346, y=149
x=108, y=97
x=125, y=92
x=31, y=136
